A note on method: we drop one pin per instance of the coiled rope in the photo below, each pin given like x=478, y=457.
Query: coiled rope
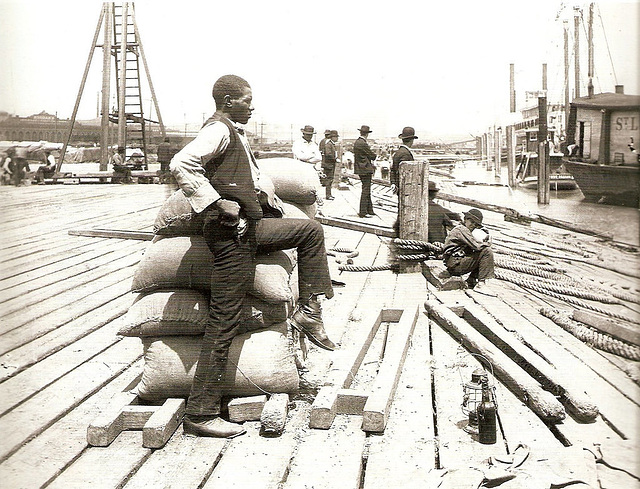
x=591, y=337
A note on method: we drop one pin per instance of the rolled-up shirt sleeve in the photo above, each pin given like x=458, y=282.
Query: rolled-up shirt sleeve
x=187, y=166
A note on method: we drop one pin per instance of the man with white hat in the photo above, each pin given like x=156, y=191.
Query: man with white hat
x=306, y=149
x=467, y=249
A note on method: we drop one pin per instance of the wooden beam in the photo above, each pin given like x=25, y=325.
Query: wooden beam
x=543, y=403
x=413, y=205
x=578, y=402
x=376, y=410
x=615, y=328
x=112, y=233
x=163, y=423
x=246, y=408
x=343, y=223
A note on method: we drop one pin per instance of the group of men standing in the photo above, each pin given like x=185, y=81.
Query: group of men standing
x=325, y=153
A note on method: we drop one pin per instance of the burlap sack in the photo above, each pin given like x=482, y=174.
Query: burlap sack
x=185, y=262
x=294, y=180
x=264, y=356
x=299, y=211
x=176, y=217
x=185, y=312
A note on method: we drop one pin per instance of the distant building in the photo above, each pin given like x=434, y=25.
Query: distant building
x=48, y=127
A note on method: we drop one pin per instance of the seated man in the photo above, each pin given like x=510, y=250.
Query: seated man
x=467, y=249
x=441, y=219
x=47, y=170
x=219, y=177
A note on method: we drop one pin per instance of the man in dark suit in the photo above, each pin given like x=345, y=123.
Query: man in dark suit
x=329, y=159
x=220, y=179
x=363, y=157
x=404, y=153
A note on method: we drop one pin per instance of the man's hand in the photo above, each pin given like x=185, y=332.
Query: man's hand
x=228, y=212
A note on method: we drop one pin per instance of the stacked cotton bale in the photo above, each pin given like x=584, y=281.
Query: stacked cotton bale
x=171, y=309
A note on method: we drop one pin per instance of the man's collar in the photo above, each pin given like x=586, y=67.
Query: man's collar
x=238, y=127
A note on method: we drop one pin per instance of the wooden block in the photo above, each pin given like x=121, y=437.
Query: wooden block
x=609, y=326
x=246, y=408
x=351, y=401
x=135, y=417
x=104, y=428
x=274, y=415
x=436, y=274
x=376, y=410
x=163, y=423
x=324, y=408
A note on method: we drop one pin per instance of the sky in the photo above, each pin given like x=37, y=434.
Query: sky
x=441, y=67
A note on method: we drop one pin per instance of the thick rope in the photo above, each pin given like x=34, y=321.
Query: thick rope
x=594, y=338
x=560, y=288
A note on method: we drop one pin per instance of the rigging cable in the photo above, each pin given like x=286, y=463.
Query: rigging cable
x=606, y=41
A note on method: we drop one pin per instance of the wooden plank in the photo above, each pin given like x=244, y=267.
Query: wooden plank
x=163, y=423
x=186, y=461
x=518, y=381
x=246, y=408
x=45, y=407
x=376, y=410
x=357, y=226
x=37, y=350
x=405, y=455
x=116, y=462
x=43, y=458
x=327, y=459
x=18, y=388
x=117, y=285
x=351, y=401
x=622, y=331
x=113, y=233
x=260, y=462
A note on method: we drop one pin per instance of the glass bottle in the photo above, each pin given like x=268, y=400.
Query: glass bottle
x=486, y=416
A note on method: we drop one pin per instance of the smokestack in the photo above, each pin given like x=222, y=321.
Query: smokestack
x=512, y=89
x=619, y=88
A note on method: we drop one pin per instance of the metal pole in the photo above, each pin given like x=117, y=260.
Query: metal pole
x=576, y=51
x=82, y=83
x=512, y=89
x=566, y=77
x=106, y=87
x=511, y=156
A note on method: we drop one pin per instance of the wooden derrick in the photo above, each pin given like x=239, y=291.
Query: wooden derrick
x=543, y=403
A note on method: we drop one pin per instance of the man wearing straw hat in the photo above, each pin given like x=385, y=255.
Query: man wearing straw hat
x=306, y=149
x=467, y=249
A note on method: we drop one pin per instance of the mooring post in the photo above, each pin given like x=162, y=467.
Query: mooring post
x=544, y=161
x=511, y=156
x=413, y=206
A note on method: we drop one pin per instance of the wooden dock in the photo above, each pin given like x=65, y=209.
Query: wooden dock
x=62, y=362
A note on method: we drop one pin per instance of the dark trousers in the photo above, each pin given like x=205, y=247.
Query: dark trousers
x=366, y=205
x=231, y=279
x=328, y=180
x=479, y=263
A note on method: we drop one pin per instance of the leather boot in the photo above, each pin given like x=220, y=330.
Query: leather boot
x=307, y=318
x=213, y=426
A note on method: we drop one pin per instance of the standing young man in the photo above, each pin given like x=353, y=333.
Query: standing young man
x=363, y=157
x=329, y=160
x=220, y=178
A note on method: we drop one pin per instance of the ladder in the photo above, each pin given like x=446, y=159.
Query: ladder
x=125, y=49
x=122, y=42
